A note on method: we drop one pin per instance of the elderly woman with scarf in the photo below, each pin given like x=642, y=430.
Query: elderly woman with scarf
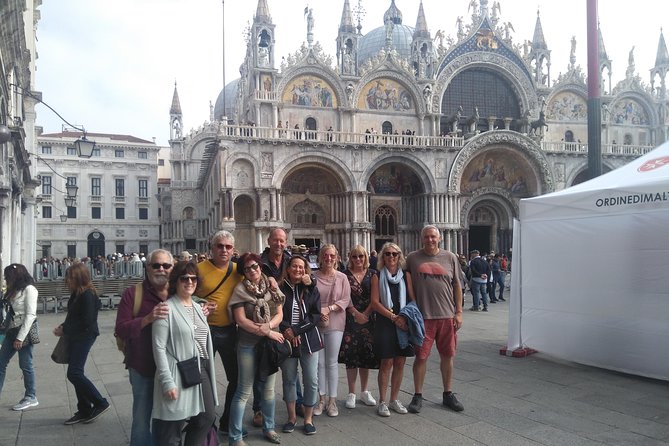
x=394, y=290
x=257, y=309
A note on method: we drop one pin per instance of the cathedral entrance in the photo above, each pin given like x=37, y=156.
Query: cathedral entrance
x=96, y=244
x=244, y=217
x=479, y=238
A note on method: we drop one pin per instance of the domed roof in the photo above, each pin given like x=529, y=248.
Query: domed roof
x=372, y=42
x=230, y=93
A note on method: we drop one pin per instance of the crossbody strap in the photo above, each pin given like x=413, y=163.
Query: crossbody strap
x=221, y=282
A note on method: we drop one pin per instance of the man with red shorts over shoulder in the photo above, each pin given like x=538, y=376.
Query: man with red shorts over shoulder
x=435, y=279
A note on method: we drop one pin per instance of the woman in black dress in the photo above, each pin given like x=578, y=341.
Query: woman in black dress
x=393, y=294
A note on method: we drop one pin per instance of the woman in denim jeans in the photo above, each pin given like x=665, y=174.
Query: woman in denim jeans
x=81, y=329
x=301, y=314
x=22, y=296
x=258, y=310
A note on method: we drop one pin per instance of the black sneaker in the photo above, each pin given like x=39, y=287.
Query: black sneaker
x=416, y=404
x=452, y=402
x=474, y=309
x=485, y=309
x=309, y=429
x=76, y=418
x=502, y=299
x=97, y=411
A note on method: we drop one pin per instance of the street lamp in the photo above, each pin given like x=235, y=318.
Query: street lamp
x=69, y=201
x=71, y=190
x=84, y=146
x=63, y=218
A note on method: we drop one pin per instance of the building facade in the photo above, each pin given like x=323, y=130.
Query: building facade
x=17, y=130
x=115, y=211
x=399, y=129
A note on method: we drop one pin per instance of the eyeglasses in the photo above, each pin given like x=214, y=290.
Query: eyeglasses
x=165, y=266
x=186, y=279
x=222, y=246
x=391, y=253
x=254, y=267
x=357, y=256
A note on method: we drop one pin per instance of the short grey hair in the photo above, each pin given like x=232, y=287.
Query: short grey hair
x=155, y=252
x=219, y=235
x=427, y=228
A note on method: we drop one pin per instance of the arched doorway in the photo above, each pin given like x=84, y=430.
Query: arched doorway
x=244, y=217
x=96, y=244
x=488, y=224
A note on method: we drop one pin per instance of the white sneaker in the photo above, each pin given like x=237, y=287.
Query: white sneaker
x=350, y=401
x=318, y=409
x=367, y=398
x=397, y=406
x=382, y=410
x=26, y=403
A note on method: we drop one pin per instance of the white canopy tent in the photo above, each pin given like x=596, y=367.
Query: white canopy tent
x=591, y=270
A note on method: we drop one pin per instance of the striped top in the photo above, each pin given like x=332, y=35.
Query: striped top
x=201, y=333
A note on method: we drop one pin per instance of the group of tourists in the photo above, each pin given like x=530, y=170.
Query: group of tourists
x=260, y=313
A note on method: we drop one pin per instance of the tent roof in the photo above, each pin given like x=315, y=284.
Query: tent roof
x=640, y=184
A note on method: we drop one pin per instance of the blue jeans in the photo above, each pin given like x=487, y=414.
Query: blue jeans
x=246, y=359
x=500, y=281
x=309, y=364
x=479, y=289
x=88, y=396
x=142, y=405
x=25, y=363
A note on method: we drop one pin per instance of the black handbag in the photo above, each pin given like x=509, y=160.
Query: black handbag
x=189, y=369
x=61, y=352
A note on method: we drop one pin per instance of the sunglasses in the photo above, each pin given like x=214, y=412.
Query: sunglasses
x=165, y=266
x=390, y=253
x=357, y=256
x=222, y=246
x=250, y=268
x=186, y=279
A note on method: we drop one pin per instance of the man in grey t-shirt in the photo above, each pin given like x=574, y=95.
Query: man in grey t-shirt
x=434, y=276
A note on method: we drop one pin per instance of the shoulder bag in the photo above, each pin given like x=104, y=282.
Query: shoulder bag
x=61, y=352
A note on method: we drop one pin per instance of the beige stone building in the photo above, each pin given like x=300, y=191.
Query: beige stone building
x=398, y=129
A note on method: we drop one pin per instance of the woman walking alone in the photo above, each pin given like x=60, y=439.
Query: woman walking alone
x=81, y=329
x=20, y=313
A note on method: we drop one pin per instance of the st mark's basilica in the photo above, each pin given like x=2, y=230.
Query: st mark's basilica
x=398, y=129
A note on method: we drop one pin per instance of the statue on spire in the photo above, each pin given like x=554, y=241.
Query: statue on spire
x=309, y=13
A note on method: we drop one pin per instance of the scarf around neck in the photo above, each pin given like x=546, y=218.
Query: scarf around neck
x=384, y=288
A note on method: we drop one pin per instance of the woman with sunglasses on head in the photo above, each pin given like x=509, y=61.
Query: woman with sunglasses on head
x=335, y=291
x=20, y=313
x=357, y=347
x=257, y=309
x=392, y=294
x=301, y=314
x=81, y=329
x=183, y=335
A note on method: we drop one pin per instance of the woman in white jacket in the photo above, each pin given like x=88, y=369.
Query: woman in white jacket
x=20, y=312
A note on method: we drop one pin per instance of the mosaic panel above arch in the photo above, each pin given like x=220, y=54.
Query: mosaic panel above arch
x=503, y=169
x=567, y=106
x=309, y=91
x=311, y=179
x=394, y=179
x=629, y=112
x=387, y=95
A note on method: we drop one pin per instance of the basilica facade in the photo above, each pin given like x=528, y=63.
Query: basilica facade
x=398, y=129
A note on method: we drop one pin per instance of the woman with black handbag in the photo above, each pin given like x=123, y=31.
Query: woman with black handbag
x=20, y=313
x=301, y=314
x=81, y=329
x=185, y=384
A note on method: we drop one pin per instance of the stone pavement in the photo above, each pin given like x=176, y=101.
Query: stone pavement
x=536, y=400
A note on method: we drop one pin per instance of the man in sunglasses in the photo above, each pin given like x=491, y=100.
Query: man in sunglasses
x=219, y=278
x=134, y=328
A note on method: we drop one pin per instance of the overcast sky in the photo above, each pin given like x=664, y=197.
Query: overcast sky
x=111, y=65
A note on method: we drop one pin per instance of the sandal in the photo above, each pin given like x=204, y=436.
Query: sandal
x=273, y=437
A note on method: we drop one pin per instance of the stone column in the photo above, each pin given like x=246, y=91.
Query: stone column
x=507, y=123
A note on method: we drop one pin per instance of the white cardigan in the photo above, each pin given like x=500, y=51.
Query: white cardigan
x=25, y=310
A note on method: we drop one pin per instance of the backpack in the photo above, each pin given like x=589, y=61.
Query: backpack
x=120, y=342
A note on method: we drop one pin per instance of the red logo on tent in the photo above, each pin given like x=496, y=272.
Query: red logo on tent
x=653, y=164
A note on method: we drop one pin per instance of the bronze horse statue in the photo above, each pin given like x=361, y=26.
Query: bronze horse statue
x=454, y=120
x=538, y=124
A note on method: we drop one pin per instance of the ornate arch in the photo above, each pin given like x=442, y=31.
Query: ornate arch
x=396, y=74
x=236, y=157
x=642, y=100
x=411, y=161
x=497, y=195
x=510, y=71
x=323, y=72
x=326, y=160
x=487, y=139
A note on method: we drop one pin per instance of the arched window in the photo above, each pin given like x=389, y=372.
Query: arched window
x=385, y=221
x=310, y=124
x=387, y=127
x=627, y=139
x=568, y=136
